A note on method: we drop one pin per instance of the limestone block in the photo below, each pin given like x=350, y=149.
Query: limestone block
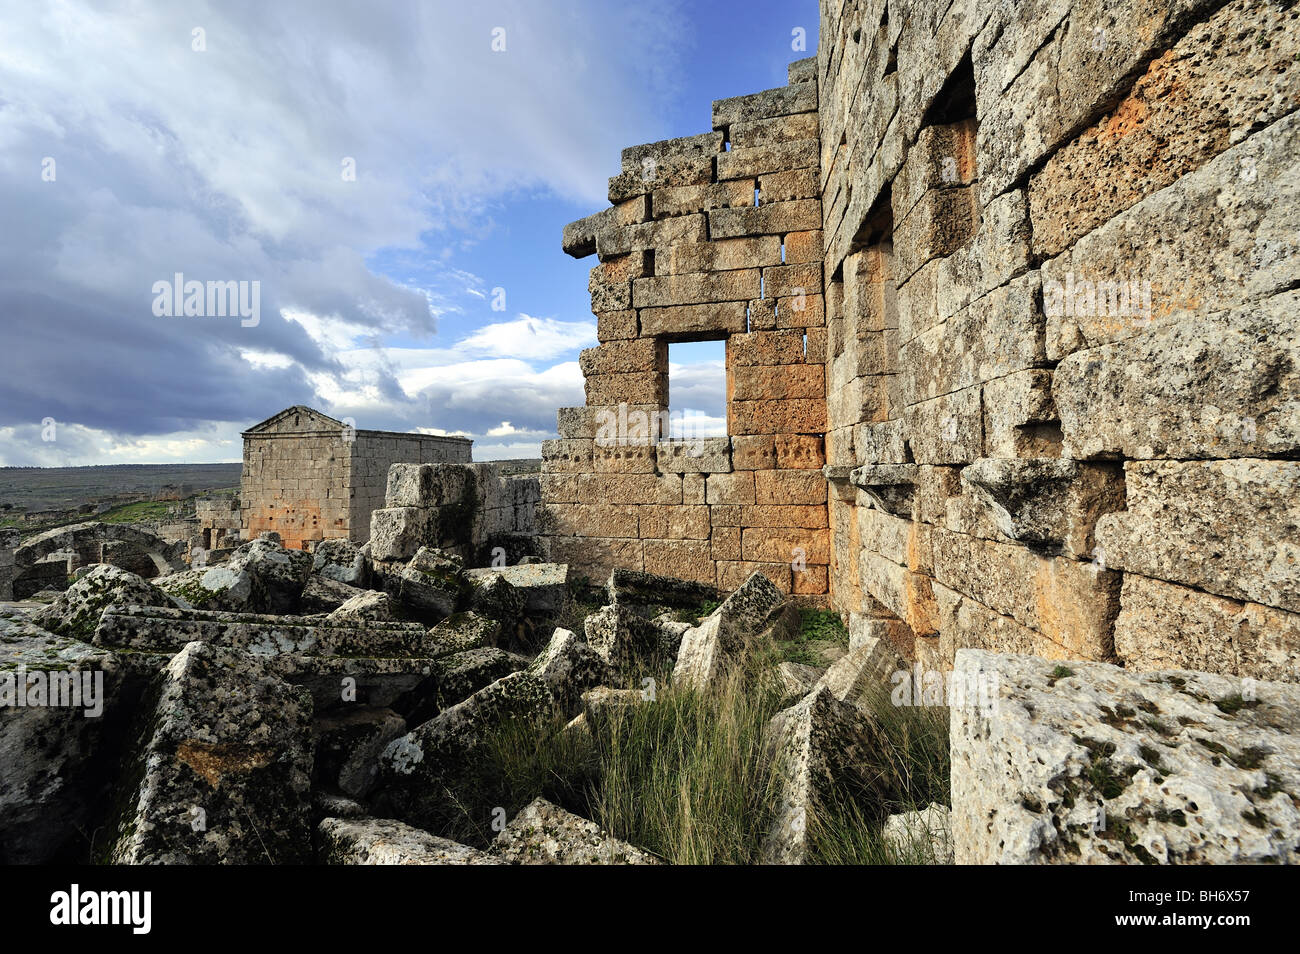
x=765, y=348
x=789, y=487
x=1131, y=398
x=947, y=429
x=658, y=234
x=1047, y=501
x=1072, y=603
x=777, y=129
x=1166, y=626
x=625, y=357
x=687, y=200
x=1227, y=527
x=616, y=325
x=669, y=172
x=641, y=488
x=774, y=219
x=1162, y=240
x=906, y=594
x=1091, y=764
x=795, y=416
x=760, y=160
x=673, y=523
x=782, y=101
x=803, y=246
x=786, y=544
x=384, y=841
x=580, y=236
x=722, y=255
x=688, y=559
x=696, y=287
x=780, y=451
x=687, y=320
x=642, y=387
x=705, y=144
x=545, y=834
x=700, y=455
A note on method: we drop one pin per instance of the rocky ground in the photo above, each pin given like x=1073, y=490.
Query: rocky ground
x=285, y=707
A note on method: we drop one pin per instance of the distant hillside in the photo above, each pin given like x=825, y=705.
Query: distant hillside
x=57, y=488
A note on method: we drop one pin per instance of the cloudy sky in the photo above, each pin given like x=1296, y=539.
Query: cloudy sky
x=395, y=185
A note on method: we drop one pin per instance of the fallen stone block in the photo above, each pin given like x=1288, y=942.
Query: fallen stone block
x=433, y=583
x=462, y=631
x=163, y=629
x=818, y=747
x=863, y=672
x=543, y=586
x=221, y=772
x=545, y=834
x=339, y=560
x=496, y=597
x=636, y=588
x=756, y=612
x=795, y=680
x=624, y=639
x=383, y=841
x=396, y=533
x=323, y=595
x=77, y=610
x=569, y=667
x=421, y=772
x=347, y=746
x=1087, y=763
x=600, y=706
x=926, y=833
x=279, y=574
x=62, y=705
x=371, y=606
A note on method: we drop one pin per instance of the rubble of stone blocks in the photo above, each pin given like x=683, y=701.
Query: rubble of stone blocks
x=703, y=242
x=470, y=510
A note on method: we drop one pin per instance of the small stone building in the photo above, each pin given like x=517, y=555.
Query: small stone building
x=309, y=477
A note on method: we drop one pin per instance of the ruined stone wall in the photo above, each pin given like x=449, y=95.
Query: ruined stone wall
x=1061, y=249
x=715, y=236
x=469, y=510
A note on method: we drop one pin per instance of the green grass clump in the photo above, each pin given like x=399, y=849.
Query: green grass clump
x=686, y=777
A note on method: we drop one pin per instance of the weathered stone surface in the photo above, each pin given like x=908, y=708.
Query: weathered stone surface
x=863, y=671
x=278, y=574
x=635, y=588
x=222, y=587
x=420, y=770
x=57, y=744
x=347, y=746
x=457, y=676
x=340, y=560
x=434, y=582
x=369, y=605
x=167, y=630
x=819, y=746
x=755, y=611
x=323, y=595
x=544, y=587
x=1229, y=527
x=1166, y=626
x=569, y=667
x=383, y=841
x=1131, y=398
x=795, y=680
x=622, y=638
x=927, y=833
x=77, y=610
x=1047, y=502
x=397, y=532
x=1072, y=603
x=1088, y=764
x=545, y=834
x=226, y=743
x=463, y=631
x=782, y=101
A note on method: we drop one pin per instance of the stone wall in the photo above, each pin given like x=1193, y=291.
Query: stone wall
x=710, y=237
x=1062, y=364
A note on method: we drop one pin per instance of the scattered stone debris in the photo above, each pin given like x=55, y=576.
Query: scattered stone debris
x=545, y=834
x=927, y=832
x=383, y=841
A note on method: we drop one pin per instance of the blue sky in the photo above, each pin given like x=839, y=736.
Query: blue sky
x=141, y=140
